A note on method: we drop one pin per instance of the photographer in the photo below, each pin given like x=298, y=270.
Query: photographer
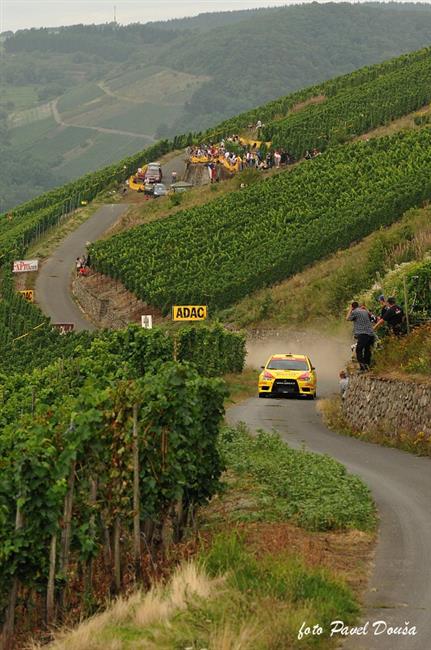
x=363, y=333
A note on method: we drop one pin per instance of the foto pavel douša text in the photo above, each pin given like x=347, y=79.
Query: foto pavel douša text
x=375, y=628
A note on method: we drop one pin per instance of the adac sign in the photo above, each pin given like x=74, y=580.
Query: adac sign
x=189, y=312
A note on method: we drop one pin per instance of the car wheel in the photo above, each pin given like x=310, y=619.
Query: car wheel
x=262, y=395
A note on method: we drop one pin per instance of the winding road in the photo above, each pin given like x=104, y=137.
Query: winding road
x=400, y=585
x=53, y=282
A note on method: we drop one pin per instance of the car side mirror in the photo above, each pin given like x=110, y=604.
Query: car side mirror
x=262, y=367
x=313, y=368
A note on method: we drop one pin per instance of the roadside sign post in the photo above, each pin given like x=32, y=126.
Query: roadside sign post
x=189, y=312
x=25, y=266
x=147, y=322
x=28, y=294
x=64, y=328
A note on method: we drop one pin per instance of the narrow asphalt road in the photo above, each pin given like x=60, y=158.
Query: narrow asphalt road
x=400, y=586
x=53, y=281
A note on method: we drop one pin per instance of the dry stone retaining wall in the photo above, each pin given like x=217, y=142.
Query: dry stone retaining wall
x=99, y=310
x=390, y=406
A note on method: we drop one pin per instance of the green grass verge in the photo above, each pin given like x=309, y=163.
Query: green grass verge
x=314, y=491
x=241, y=385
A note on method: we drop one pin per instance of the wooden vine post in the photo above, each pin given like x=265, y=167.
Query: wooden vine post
x=136, y=497
x=9, y=624
x=117, y=554
x=92, y=501
x=66, y=534
x=50, y=594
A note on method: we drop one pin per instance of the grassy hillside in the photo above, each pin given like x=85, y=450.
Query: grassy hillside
x=318, y=296
x=165, y=78
x=218, y=253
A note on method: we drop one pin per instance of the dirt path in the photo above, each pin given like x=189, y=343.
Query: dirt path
x=104, y=88
x=400, y=586
x=100, y=129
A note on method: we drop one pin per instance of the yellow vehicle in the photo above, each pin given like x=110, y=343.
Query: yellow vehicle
x=288, y=374
x=256, y=144
x=137, y=181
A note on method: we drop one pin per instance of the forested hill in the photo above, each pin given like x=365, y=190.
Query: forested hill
x=286, y=49
x=160, y=79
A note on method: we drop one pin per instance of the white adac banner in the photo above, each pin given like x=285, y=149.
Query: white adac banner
x=25, y=266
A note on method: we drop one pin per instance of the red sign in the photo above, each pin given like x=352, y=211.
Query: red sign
x=25, y=266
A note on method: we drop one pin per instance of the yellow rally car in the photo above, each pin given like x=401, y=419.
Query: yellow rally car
x=288, y=374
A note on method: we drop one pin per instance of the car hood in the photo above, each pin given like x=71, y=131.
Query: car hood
x=286, y=374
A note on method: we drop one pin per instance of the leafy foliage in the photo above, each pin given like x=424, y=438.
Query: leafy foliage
x=67, y=433
x=28, y=341
x=417, y=276
x=90, y=432
x=410, y=355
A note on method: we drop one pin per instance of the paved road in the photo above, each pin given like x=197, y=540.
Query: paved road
x=53, y=281
x=400, y=587
x=177, y=164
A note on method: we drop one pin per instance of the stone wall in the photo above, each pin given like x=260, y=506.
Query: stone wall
x=109, y=304
x=99, y=310
x=389, y=406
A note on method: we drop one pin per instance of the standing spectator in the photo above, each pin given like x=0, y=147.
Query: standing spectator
x=174, y=177
x=344, y=383
x=277, y=159
x=364, y=334
x=393, y=317
x=78, y=265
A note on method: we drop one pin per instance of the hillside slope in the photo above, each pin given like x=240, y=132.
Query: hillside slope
x=218, y=253
x=72, y=101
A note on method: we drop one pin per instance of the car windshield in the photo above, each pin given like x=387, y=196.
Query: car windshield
x=153, y=168
x=288, y=364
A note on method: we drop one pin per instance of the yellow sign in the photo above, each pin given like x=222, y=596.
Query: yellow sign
x=28, y=294
x=189, y=312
